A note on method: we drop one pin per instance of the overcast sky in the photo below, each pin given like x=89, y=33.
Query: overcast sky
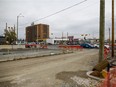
x=80, y=19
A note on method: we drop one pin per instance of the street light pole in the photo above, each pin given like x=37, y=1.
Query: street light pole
x=17, y=27
x=20, y=15
x=109, y=36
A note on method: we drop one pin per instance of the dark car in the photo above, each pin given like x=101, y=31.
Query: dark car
x=86, y=45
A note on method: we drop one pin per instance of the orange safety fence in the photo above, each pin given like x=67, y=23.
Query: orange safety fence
x=110, y=80
x=70, y=47
x=106, y=52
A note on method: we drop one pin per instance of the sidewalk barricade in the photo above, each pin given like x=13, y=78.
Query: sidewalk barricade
x=106, y=52
x=110, y=80
x=70, y=47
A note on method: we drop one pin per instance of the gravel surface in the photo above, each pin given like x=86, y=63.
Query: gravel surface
x=52, y=71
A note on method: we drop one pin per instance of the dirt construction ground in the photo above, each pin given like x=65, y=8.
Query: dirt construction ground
x=51, y=71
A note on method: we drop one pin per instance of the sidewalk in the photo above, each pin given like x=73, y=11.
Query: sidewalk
x=10, y=55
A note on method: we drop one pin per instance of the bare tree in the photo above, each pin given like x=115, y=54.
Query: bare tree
x=10, y=35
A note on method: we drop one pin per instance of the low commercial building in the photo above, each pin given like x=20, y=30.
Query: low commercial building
x=57, y=41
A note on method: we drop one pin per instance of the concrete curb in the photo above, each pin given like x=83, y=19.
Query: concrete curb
x=93, y=77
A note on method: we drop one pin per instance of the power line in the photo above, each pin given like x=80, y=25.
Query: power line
x=59, y=11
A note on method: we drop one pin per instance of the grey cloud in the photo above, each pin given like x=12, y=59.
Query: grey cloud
x=80, y=19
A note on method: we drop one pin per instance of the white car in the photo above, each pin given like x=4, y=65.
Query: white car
x=96, y=45
x=107, y=46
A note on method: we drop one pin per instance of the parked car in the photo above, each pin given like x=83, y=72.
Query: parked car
x=49, y=43
x=107, y=46
x=96, y=45
x=30, y=45
x=87, y=45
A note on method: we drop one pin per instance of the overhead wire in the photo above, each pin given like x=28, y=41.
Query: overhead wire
x=58, y=11
x=62, y=10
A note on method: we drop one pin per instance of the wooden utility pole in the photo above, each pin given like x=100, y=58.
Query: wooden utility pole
x=112, y=28
x=102, y=28
x=109, y=36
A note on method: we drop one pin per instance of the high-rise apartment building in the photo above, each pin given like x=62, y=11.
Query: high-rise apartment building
x=37, y=33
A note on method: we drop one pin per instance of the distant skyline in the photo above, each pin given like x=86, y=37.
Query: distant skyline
x=80, y=19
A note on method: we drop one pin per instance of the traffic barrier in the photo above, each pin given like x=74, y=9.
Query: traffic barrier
x=110, y=80
x=70, y=47
x=110, y=75
x=106, y=52
x=113, y=77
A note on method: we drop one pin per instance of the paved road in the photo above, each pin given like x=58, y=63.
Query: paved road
x=42, y=72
